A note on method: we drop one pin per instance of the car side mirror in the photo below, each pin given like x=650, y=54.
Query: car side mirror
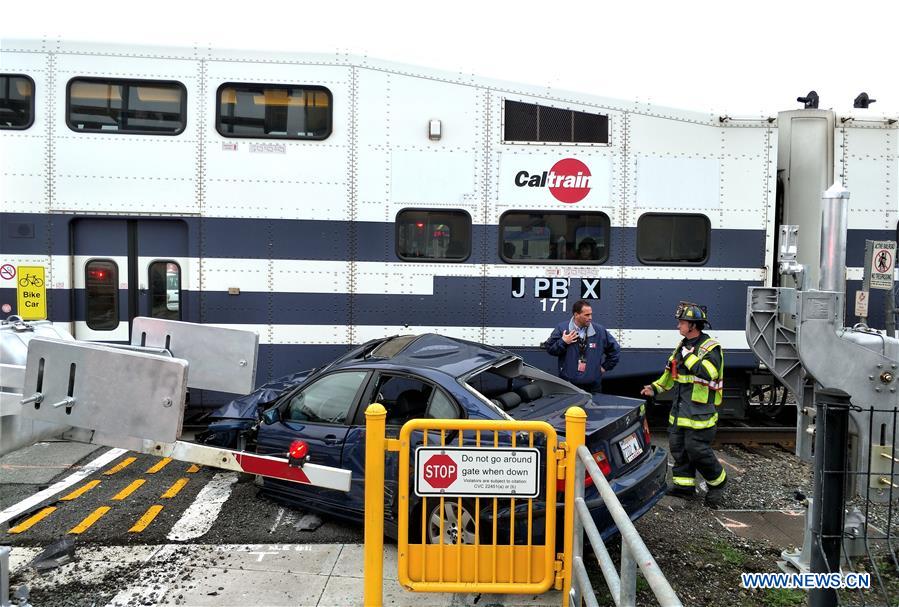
x=271, y=416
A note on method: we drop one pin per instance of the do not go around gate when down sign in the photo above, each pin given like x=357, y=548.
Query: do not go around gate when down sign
x=484, y=472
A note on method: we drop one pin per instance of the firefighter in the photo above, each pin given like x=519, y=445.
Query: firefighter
x=695, y=373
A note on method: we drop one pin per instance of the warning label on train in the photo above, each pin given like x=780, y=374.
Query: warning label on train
x=883, y=262
x=31, y=293
x=485, y=472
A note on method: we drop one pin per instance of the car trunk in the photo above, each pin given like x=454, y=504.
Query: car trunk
x=615, y=426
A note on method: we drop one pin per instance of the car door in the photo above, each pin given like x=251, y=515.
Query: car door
x=319, y=413
x=405, y=397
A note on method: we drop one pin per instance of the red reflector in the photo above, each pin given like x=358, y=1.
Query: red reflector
x=646, y=435
x=298, y=449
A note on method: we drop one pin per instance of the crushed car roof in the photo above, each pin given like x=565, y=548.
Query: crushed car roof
x=452, y=356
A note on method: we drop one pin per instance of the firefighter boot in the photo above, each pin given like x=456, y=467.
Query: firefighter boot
x=715, y=496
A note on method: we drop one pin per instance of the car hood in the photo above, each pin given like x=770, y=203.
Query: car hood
x=247, y=407
x=606, y=414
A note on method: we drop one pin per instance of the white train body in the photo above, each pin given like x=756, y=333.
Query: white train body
x=308, y=237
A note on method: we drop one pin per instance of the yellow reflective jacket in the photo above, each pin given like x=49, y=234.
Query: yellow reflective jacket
x=698, y=382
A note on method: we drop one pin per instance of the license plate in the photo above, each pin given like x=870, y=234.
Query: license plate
x=630, y=447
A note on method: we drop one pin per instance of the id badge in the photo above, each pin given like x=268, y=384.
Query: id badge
x=581, y=366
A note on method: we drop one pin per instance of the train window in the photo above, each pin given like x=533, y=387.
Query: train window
x=274, y=111
x=532, y=123
x=106, y=105
x=165, y=290
x=670, y=238
x=16, y=101
x=423, y=235
x=101, y=281
x=558, y=237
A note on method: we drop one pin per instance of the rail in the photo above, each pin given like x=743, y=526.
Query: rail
x=634, y=553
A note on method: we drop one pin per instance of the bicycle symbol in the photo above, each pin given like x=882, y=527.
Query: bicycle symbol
x=31, y=280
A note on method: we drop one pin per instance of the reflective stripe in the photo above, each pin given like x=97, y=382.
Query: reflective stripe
x=691, y=361
x=686, y=422
x=710, y=369
x=684, y=481
x=714, y=385
x=707, y=346
x=721, y=478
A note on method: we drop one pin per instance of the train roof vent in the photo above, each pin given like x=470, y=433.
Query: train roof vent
x=534, y=123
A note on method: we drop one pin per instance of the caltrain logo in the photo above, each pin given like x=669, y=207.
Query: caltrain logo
x=568, y=180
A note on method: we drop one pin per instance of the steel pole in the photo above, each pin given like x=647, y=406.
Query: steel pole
x=834, y=222
x=831, y=452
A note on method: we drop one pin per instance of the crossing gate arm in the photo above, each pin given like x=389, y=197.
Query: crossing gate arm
x=251, y=463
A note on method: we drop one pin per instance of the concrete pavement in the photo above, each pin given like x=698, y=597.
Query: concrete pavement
x=262, y=574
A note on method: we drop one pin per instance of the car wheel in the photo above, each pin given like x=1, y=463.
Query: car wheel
x=458, y=524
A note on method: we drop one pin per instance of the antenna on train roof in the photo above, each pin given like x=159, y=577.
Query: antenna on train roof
x=863, y=101
x=810, y=100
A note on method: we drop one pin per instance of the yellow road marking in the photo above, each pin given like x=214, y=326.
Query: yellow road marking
x=120, y=466
x=129, y=489
x=27, y=524
x=80, y=491
x=144, y=521
x=160, y=465
x=175, y=488
x=193, y=468
x=92, y=518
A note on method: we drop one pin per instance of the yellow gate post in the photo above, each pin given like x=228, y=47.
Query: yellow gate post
x=575, y=431
x=373, y=569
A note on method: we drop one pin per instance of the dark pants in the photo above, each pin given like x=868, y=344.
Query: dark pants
x=692, y=452
x=595, y=388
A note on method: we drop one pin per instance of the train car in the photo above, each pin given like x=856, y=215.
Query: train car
x=325, y=200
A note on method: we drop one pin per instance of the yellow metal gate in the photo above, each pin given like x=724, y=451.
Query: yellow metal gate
x=454, y=533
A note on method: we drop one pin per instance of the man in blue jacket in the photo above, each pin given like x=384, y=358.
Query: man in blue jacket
x=584, y=348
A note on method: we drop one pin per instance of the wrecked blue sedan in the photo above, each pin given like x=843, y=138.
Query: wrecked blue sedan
x=435, y=377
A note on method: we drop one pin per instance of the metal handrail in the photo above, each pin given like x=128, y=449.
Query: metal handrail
x=634, y=552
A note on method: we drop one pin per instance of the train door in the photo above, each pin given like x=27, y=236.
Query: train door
x=123, y=268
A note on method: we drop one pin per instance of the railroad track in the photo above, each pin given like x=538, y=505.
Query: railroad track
x=784, y=436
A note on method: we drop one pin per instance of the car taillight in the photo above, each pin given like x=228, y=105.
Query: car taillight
x=601, y=460
x=646, y=435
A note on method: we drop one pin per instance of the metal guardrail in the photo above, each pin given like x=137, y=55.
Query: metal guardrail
x=634, y=552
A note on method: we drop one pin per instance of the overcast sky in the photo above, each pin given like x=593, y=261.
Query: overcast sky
x=748, y=57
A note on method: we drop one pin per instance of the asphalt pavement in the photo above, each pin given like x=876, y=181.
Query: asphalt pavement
x=132, y=529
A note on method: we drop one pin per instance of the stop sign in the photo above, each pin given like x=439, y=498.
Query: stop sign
x=440, y=471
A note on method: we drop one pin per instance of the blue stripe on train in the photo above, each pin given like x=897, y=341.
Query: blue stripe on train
x=457, y=301
x=41, y=234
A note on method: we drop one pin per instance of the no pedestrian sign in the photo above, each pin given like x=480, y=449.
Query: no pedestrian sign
x=883, y=262
x=485, y=472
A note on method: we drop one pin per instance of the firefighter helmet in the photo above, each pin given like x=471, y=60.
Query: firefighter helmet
x=692, y=312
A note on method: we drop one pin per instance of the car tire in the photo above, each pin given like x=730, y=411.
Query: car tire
x=458, y=525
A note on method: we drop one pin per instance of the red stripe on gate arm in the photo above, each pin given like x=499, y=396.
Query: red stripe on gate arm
x=267, y=467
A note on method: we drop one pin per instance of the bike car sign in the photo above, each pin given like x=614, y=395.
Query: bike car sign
x=32, y=293
x=477, y=472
